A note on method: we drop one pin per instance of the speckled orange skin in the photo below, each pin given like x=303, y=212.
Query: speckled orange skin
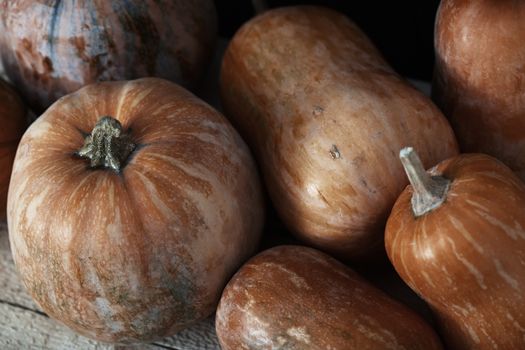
x=479, y=80
x=50, y=48
x=136, y=255
x=12, y=126
x=292, y=297
x=466, y=258
x=326, y=117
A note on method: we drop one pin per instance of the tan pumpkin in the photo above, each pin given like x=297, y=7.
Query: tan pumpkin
x=326, y=116
x=127, y=227
x=52, y=48
x=293, y=297
x=12, y=126
x=457, y=238
x=479, y=80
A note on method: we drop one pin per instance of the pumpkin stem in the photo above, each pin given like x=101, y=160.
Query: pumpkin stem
x=429, y=191
x=107, y=146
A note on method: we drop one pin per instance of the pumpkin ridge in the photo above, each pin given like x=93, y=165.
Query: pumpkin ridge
x=180, y=286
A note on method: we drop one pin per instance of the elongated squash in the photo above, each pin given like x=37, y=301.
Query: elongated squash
x=325, y=116
x=293, y=297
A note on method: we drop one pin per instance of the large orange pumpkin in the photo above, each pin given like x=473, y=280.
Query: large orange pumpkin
x=127, y=227
x=51, y=48
x=457, y=237
x=12, y=126
x=326, y=116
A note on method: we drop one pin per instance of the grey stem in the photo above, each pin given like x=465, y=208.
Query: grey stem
x=107, y=145
x=429, y=191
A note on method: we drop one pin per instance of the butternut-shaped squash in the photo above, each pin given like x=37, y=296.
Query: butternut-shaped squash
x=293, y=297
x=325, y=116
x=479, y=80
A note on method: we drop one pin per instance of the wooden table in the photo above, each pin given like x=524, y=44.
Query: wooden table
x=23, y=325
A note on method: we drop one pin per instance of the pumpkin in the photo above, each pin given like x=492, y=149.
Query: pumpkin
x=131, y=204
x=13, y=123
x=479, y=80
x=293, y=297
x=457, y=237
x=325, y=116
x=51, y=48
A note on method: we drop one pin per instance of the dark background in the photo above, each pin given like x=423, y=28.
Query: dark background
x=402, y=30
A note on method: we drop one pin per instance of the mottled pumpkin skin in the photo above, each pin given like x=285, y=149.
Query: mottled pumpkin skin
x=50, y=48
x=12, y=126
x=479, y=80
x=326, y=117
x=140, y=254
x=467, y=257
x=292, y=297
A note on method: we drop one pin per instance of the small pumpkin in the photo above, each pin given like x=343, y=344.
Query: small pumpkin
x=293, y=297
x=325, y=116
x=457, y=237
x=479, y=80
x=13, y=124
x=131, y=204
x=51, y=48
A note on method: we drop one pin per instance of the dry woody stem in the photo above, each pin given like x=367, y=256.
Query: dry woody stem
x=429, y=191
x=107, y=146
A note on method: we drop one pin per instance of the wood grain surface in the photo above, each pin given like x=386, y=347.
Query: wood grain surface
x=23, y=325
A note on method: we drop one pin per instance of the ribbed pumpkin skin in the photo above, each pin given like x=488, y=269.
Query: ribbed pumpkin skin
x=140, y=254
x=479, y=80
x=51, y=48
x=467, y=257
x=12, y=126
x=292, y=297
x=326, y=116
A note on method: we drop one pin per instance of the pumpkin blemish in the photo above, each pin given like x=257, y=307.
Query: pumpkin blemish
x=318, y=111
x=48, y=64
x=334, y=152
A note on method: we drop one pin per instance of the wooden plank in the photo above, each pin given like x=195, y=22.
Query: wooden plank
x=24, y=329
x=199, y=337
x=23, y=325
x=11, y=289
